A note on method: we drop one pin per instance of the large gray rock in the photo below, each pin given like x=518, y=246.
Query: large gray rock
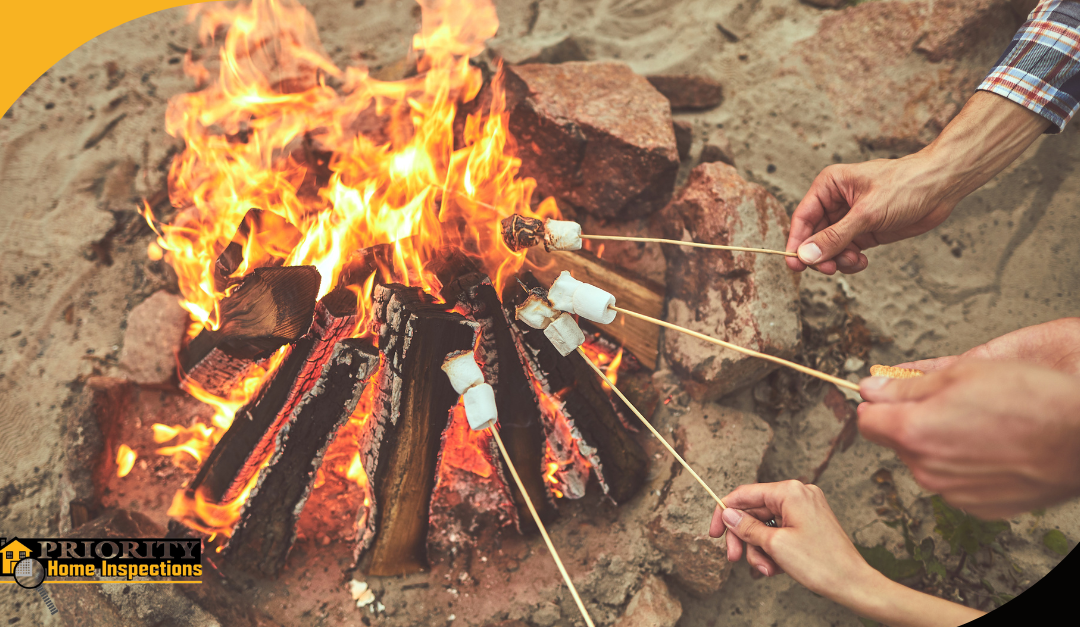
x=595, y=136
x=747, y=299
x=154, y=330
x=726, y=447
x=652, y=606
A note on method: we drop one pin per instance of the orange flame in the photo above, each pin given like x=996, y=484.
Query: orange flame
x=125, y=460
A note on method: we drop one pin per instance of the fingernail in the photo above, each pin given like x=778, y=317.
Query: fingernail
x=764, y=571
x=873, y=384
x=732, y=517
x=809, y=252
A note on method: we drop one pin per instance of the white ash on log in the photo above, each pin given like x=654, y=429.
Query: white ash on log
x=401, y=446
x=603, y=439
x=267, y=527
x=251, y=437
x=271, y=308
x=520, y=421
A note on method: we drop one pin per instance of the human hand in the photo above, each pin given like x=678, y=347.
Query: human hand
x=1054, y=345
x=992, y=438
x=810, y=545
x=850, y=208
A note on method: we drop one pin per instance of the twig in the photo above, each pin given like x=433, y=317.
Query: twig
x=543, y=531
x=622, y=238
x=651, y=428
x=746, y=351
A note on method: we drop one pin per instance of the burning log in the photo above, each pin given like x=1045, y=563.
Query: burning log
x=258, y=232
x=272, y=307
x=412, y=409
x=519, y=409
x=633, y=292
x=584, y=403
x=251, y=437
x=267, y=527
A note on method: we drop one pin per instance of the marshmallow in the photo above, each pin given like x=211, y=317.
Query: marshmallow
x=480, y=406
x=565, y=334
x=562, y=235
x=536, y=311
x=593, y=303
x=461, y=367
x=562, y=291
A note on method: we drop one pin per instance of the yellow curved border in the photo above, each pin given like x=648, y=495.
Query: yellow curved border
x=37, y=34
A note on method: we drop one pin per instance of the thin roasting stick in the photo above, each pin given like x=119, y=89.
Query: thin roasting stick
x=656, y=433
x=622, y=238
x=543, y=531
x=746, y=351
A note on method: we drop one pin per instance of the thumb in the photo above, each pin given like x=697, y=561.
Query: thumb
x=886, y=390
x=747, y=528
x=832, y=241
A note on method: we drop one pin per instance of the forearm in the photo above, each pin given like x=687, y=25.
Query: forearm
x=988, y=134
x=879, y=598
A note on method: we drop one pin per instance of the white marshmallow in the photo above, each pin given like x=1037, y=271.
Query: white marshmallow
x=480, y=406
x=461, y=367
x=562, y=235
x=536, y=312
x=565, y=334
x=593, y=303
x=562, y=291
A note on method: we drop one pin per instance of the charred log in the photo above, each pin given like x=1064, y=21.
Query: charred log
x=267, y=527
x=266, y=231
x=250, y=439
x=617, y=459
x=412, y=409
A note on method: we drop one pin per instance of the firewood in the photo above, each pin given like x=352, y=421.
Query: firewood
x=400, y=448
x=251, y=437
x=272, y=307
x=269, y=230
x=267, y=527
x=519, y=409
x=620, y=463
x=633, y=292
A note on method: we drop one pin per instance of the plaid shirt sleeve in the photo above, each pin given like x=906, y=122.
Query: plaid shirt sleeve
x=1040, y=69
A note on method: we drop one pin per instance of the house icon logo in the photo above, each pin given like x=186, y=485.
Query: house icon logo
x=11, y=553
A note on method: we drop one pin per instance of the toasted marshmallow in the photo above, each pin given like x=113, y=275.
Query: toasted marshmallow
x=593, y=303
x=565, y=334
x=562, y=235
x=562, y=291
x=480, y=406
x=536, y=312
x=461, y=367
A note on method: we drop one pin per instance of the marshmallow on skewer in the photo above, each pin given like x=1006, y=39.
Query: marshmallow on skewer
x=562, y=291
x=536, y=311
x=480, y=408
x=461, y=367
x=565, y=334
x=593, y=303
x=562, y=235
x=519, y=232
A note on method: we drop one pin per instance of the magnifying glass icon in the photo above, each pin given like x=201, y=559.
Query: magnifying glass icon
x=30, y=574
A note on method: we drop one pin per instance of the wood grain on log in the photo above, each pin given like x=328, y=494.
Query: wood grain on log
x=632, y=292
x=412, y=409
x=267, y=527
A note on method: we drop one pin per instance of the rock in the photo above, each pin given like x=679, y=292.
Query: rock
x=726, y=447
x=744, y=298
x=956, y=27
x=154, y=330
x=595, y=136
x=717, y=148
x=826, y=4
x=546, y=615
x=652, y=606
x=684, y=138
x=688, y=92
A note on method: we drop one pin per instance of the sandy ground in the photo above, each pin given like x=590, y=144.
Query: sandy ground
x=86, y=142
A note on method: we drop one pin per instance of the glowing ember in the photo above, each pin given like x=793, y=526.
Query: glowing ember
x=125, y=460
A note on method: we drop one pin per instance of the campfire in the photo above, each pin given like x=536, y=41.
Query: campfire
x=335, y=238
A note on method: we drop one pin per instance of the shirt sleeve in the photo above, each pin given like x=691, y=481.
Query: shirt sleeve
x=1040, y=69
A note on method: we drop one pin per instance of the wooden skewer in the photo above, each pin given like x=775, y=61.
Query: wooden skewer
x=746, y=351
x=543, y=531
x=676, y=242
x=651, y=428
